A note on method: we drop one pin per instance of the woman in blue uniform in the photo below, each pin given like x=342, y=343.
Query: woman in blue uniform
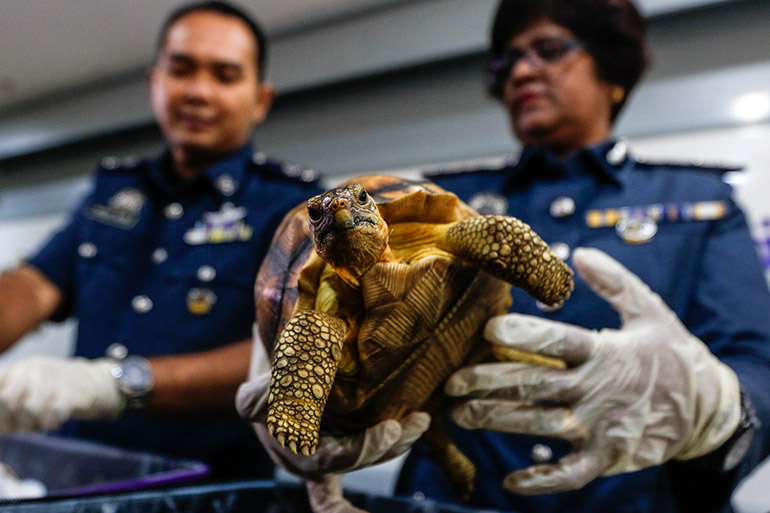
x=158, y=264
x=645, y=418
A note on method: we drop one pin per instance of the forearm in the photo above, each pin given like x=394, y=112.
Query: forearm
x=27, y=298
x=199, y=383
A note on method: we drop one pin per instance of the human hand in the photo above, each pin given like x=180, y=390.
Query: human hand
x=41, y=393
x=629, y=398
x=334, y=455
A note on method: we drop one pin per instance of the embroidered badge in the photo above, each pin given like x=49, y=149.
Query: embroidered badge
x=121, y=211
x=489, y=203
x=220, y=227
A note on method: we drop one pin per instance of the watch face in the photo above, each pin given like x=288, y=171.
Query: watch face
x=136, y=379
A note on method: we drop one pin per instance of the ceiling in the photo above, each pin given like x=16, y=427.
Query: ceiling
x=53, y=45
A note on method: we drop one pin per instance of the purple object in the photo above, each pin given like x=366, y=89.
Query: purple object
x=73, y=467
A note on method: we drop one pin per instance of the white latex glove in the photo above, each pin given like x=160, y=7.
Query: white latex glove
x=13, y=487
x=629, y=399
x=326, y=496
x=41, y=393
x=334, y=455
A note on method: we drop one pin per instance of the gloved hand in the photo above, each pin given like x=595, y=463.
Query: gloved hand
x=334, y=455
x=41, y=393
x=325, y=496
x=629, y=398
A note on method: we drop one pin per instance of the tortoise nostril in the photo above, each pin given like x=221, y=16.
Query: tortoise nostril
x=338, y=204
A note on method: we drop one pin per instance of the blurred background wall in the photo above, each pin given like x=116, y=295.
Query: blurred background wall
x=363, y=85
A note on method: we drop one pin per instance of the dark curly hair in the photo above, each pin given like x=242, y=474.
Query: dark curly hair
x=613, y=32
x=225, y=9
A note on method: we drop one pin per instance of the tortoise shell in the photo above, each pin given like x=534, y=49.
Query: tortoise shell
x=410, y=322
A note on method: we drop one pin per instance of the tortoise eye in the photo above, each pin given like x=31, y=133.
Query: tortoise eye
x=363, y=197
x=314, y=212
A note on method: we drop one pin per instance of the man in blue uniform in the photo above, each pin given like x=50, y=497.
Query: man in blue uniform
x=158, y=265
x=645, y=418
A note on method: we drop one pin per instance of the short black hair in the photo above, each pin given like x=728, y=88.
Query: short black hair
x=613, y=32
x=226, y=9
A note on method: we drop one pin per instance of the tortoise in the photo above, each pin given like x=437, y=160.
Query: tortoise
x=393, y=300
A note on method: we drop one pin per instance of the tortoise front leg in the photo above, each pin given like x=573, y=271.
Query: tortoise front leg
x=306, y=358
x=510, y=250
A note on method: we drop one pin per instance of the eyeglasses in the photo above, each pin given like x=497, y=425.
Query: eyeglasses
x=541, y=53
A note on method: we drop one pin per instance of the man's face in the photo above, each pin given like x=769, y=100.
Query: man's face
x=204, y=87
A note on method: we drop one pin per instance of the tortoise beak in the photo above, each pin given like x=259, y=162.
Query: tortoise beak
x=344, y=219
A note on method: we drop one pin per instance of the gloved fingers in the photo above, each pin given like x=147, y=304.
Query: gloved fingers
x=572, y=344
x=260, y=359
x=513, y=417
x=412, y=428
x=621, y=288
x=251, y=398
x=377, y=441
x=326, y=496
x=572, y=472
x=515, y=381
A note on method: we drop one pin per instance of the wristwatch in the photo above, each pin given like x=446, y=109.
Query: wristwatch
x=132, y=374
x=730, y=453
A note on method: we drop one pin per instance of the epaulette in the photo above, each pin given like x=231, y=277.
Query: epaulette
x=113, y=163
x=695, y=164
x=283, y=169
x=467, y=166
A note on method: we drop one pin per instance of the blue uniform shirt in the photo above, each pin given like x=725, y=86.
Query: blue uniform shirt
x=701, y=260
x=166, y=267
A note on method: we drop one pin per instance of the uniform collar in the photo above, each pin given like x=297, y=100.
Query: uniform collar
x=224, y=177
x=604, y=160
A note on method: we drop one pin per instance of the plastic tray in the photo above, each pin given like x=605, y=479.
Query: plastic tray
x=240, y=497
x=73, y=467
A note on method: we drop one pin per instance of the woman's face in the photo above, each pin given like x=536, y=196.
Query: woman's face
x=559, y=103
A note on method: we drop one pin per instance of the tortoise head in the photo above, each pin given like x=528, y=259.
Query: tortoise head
x=348, y=230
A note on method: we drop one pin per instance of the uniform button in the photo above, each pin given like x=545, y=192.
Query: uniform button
x=259, y=158
x=617, y=153
x=541, y=453
x=87, y=250
x=174, y=211
x=159, y=256
x=308, y=175
x=227, y=184
x=561, y=250
x=141, y=304
x=206, y=273
x=562, y=207
x=110, y=163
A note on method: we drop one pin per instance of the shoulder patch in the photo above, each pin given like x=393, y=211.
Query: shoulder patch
x=468, y=166
x=694, y=165
x=283, y=169
x=113, y=163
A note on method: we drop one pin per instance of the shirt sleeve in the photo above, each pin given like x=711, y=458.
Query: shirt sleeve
x=57, y=259
x=730, y=312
